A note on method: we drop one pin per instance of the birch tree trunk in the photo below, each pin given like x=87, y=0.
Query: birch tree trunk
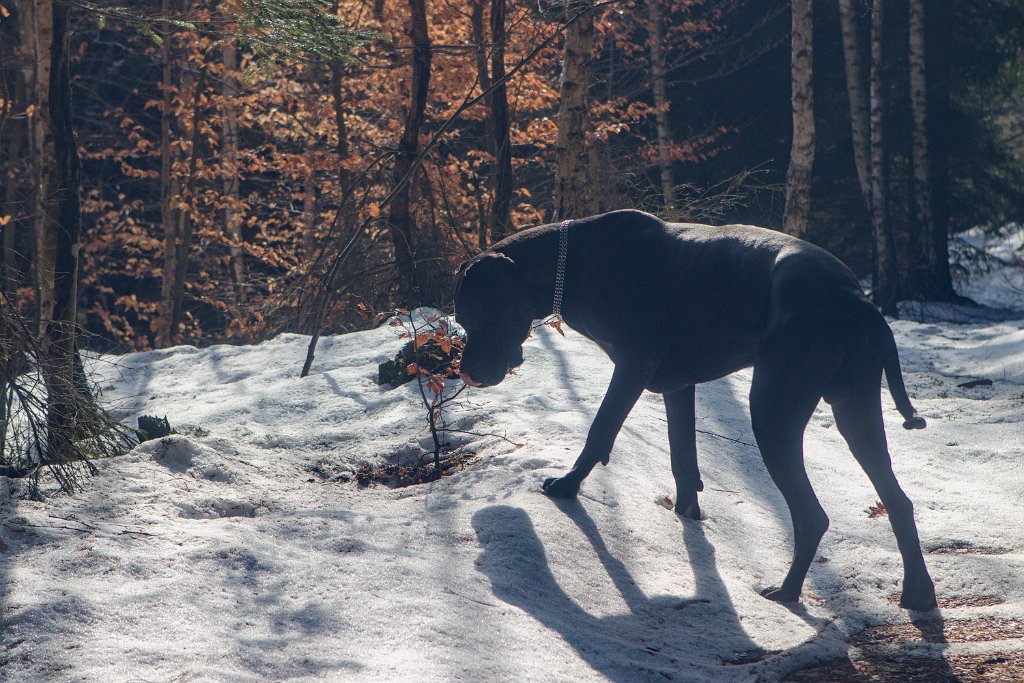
x=344, y=220
x=572, y=196
x=853, y=61
x=884, y=291
x=661, y=103
x=341, y=151
x=229, y=142
x=936, y=282
x=178, y=228
x=801, y=157
x=918, y=284
x=408, y=148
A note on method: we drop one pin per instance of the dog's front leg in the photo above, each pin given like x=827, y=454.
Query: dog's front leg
x=680, y=407
x=628, y=382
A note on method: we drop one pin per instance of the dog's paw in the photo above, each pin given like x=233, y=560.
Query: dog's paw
x=916, y=422
x=561, y=487
x=919, y=599
x=688, y=508
x=779, y=595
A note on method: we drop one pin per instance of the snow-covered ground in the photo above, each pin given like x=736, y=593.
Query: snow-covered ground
x=989, y=265
x=240, y=549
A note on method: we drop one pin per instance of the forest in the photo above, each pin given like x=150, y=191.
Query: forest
x=239, y=437
x=191, y=172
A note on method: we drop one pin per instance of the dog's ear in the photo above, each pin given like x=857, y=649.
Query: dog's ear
x=483, y=282
x=492, y=269
x=461, y=270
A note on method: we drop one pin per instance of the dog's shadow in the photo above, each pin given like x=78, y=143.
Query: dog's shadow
x=658, y=637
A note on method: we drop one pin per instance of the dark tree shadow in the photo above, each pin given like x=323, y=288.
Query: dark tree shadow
x=660, y=638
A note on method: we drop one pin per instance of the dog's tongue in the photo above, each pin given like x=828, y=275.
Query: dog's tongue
x=468, y=380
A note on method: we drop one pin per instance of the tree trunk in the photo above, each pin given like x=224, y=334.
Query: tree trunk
x=502, y=147
x=936, y=282
x=28, y=90
x=572, y=196
x=659, y=89
x=345, y=178
x=853, y=60
x=801, y=157
x=941, y=132
x=401, y=219
x=483, y=76
x=918, y=282
x=12, y=99
x=476, y=30
x=341, y=127
x=8, y=255
x=167, y=324
x=344, y=219
x=884, y=291
x=11, y=208
x=42, y=150
x=311, y=75
x=187, y=198
x=497, y=217
x=62, y=216
x=229, y=142
x=310, y=209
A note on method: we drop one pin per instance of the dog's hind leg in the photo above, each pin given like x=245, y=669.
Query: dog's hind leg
x=628, y=381
x=782, y=399
x=858, y=414
x=682, y=439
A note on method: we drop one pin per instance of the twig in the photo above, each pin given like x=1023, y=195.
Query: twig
x=727, y=438
x=448, y=590
x=718, y=436
x=484, y=435
x=57, y=526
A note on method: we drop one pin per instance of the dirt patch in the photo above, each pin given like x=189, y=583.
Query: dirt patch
x=948, y=631
x=966, y=548
x=878, y=658
x=1001, y=668
x=400, y=476
x=329, y=471
x=954, y=601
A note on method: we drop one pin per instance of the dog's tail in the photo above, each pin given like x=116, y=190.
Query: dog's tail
x=894, y=377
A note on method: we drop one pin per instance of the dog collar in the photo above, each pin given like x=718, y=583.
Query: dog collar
x=563, y=247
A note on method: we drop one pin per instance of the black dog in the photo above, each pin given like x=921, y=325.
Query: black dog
x=675, y=305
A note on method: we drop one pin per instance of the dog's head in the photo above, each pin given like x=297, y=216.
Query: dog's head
x=493, y=308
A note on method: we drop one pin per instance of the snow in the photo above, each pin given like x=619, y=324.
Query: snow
x=239, y=549
x=990, y=265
